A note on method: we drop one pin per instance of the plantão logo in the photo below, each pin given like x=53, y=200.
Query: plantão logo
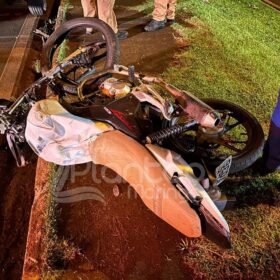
x=75, y=194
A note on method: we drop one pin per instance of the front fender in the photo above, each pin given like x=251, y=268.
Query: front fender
x=138, y=167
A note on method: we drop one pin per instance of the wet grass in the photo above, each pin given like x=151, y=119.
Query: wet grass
x=234, y=55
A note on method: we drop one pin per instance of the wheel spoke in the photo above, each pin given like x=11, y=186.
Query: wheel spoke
x=227, y=121
x=238, y=142
x=231, y=126
x=228, y=145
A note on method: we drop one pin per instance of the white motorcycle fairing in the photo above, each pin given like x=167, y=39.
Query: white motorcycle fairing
x=214, y=225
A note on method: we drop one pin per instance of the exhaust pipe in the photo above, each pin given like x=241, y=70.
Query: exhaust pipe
x=194, y=107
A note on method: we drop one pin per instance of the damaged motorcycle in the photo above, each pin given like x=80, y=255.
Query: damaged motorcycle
x=145, y=129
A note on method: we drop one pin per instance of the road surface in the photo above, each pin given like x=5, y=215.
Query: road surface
x=11, y=22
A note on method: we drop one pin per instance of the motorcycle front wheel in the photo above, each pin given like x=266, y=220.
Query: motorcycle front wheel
x=102, y=32
x=241, y=137
x=73, y=34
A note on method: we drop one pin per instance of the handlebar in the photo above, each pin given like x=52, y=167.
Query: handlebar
x=29, y=96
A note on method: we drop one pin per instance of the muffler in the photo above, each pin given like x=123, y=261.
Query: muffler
x=194, y=107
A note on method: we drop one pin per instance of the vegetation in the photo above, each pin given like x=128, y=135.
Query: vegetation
x=65, y=6
x=37, y=66
x=58, y=251
x=255, y=253
x=63, y=51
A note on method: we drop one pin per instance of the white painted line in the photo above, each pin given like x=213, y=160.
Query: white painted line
x=8, y=37
x=13, y=37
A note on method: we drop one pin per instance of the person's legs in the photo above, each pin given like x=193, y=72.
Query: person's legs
x=170, y=14
x=89, y=8
x=171, y=8
x=273, y=141
x=273, y=148
x=163, y=9
x=106, y=13
x=160, y=9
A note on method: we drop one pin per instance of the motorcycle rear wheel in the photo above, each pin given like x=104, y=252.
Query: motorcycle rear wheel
x=242, y=138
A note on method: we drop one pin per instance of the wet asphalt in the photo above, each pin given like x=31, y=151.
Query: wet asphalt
x=12, y=17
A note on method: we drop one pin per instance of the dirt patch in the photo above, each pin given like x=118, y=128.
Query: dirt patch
x=118, y=236
x=273, y=3
x=149, y=52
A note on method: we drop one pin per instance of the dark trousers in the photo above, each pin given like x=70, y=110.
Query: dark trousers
x=273, y=147
x=273, y=141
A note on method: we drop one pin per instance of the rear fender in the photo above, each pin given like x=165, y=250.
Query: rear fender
x=138, y=167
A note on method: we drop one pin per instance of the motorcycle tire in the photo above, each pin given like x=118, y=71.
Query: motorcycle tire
x=254, y=143
x=37, y=7
x=57, y=37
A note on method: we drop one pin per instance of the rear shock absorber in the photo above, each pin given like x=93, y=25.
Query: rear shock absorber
x=159, y=136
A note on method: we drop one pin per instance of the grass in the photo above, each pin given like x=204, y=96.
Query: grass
x=234, y=54
x=63, y=51
x=65, y=6
x=255, y=253
x=37, y=66
x=58, y=252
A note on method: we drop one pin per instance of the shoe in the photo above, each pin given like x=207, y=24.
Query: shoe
x=122, y=35
x=154, y=25
x=170, y=21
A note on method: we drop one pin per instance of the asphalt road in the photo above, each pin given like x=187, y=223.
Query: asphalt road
x=11, y=21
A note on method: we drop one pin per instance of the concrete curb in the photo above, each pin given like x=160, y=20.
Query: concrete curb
x=33, y=259
x=35, y=245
